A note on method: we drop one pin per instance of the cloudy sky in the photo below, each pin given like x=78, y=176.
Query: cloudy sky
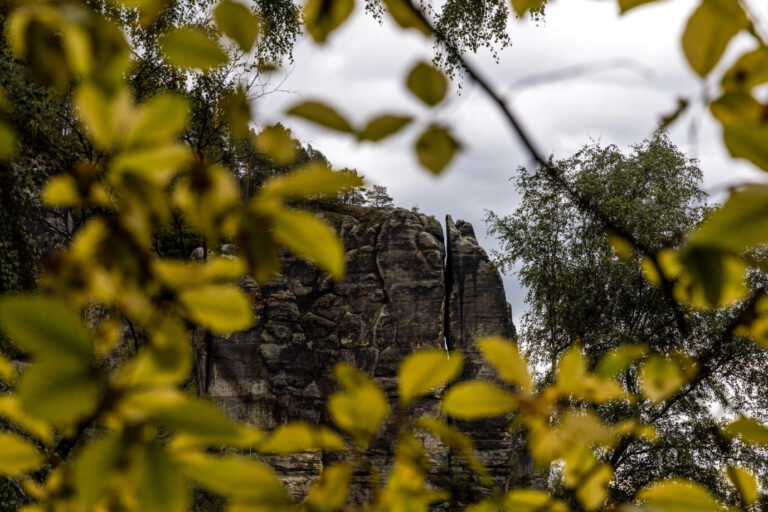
x=639, y=74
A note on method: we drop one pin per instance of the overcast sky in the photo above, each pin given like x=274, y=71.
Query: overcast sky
x=361, y=71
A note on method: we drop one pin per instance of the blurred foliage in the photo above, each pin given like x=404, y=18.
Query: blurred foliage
x=135, y=118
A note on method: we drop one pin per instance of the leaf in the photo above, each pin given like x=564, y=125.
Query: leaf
x=678, y=495
x=238, y=22
x=361, y=408
x=709, y=30
x=306, y=235
x=383, y=126
x=95, y=110
x=237, y=477
x=571, y=370
x=221, y=308
x=8, y=142
x=11, y=409
x=660, y=378
x=503, y=355
x=594, y=490
x=748, y=141
x=522, y=6
x=237, y=112
x=157, y=165
x=403, y=14
x=749, y=430
x=157, y=480
x=276, y=142
x=321, y=114
x=456, y=440
x=7, y=369
x=322, y=17
x=427, y=83
x=245, y=437
x=425, y=370
x=531, y=500
x=58, y=393
x=61, y=191
x=625, y=5
x=17, y=456
x=314, y=179
x=190, y=47
x=299, y=436
x=436, y=148
x=745, y=482
x=621, y=246
x=711, y=278
x=330, y=491
x=475, y=399
x=162, y=118
x=750, y=70
x=95, y=461
x=617, y=360
x=45, y=327
x=741, y=222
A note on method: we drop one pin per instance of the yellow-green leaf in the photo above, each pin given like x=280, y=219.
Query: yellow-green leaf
x=750, y=70
x=475, y=399
x=617, y=360
x=423, y=371
x=678, y=495
x=8, y=142
x=160, y=119
x=190, y=47
x=7, y=369
x=11, y=409
x=60, y=191
x=709, y=30
x=156, y=480
x=456, y=440
x=238, y=22
x=314, y=179
x=330, y=491
x=741, y=222
x=428, y=83
x=157, y=165
x=532, y=500
x=660, y=378
x=17, y=455
x=511, y=366
x=93, y=463
x=45, y=327
x=403, y=14
x=307, y=236
x=748, y=141
x=321, y=114
x=745, y=482
x=625, y=5
x=383, y=126
x=621, y=246
x=522, y=6
x=221, y=308
x=322, y=17
x=299, y=436
x=276, y=141
x=361, y=408
x=592, y=492
x=571, y=370
x=237, y=112
x=436, y=148
x=749, y=430
x=95, y=110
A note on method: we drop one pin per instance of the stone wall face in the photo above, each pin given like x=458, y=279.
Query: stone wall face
x=407, y=288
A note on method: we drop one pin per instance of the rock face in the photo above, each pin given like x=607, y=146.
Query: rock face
x=403, y=291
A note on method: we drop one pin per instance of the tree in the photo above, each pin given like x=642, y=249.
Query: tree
x=582, y=289
x=377, y=196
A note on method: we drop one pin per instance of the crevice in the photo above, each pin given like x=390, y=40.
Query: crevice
x=448, y=282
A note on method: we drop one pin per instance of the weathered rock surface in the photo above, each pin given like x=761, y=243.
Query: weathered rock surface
x=403, y=291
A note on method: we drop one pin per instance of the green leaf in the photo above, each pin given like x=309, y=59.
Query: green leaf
x=750, y=70
x=162, y=118
x=748, y=141
x=745, y=482
x=436, y=148
x=737, y=108
x=660, y=378
x=238, y=22
x=523, y=6
x=277, y=143
x=749, y=430
x=299, y=436
x=330, y=491
x=306, y=235
x=58, y=393
x=572, y=370
x=61, y=191
x=8, y=142
x=11, y=409
x=625, y=5
x=314, y=179
x=361, y=408
x=741, y=222
x=383, y=126
x=7, y=369
x=237, y=112
x=709, y=30
x=475, y=399
x=425, y=370
x=621, y=246
x=678, y=495
x=221, y=308
x=45, y=327
x=456, y=440
x=617, y=360
x=428, y=83
x=531, y=500
x=503, y=355
x=94, y=461
x=237, y=477
x=322, y=17
x=321, y=114
x=190, y=47
x=157, y=165
x=156, y=479
x=403, y=14
x=96, y=111
x=17, y=456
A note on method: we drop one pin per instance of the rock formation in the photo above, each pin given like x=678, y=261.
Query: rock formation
x=405, y=289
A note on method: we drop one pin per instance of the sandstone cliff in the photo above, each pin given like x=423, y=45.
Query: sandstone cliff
x=407, y=287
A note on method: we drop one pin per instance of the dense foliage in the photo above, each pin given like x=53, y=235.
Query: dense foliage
x=100, y=424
